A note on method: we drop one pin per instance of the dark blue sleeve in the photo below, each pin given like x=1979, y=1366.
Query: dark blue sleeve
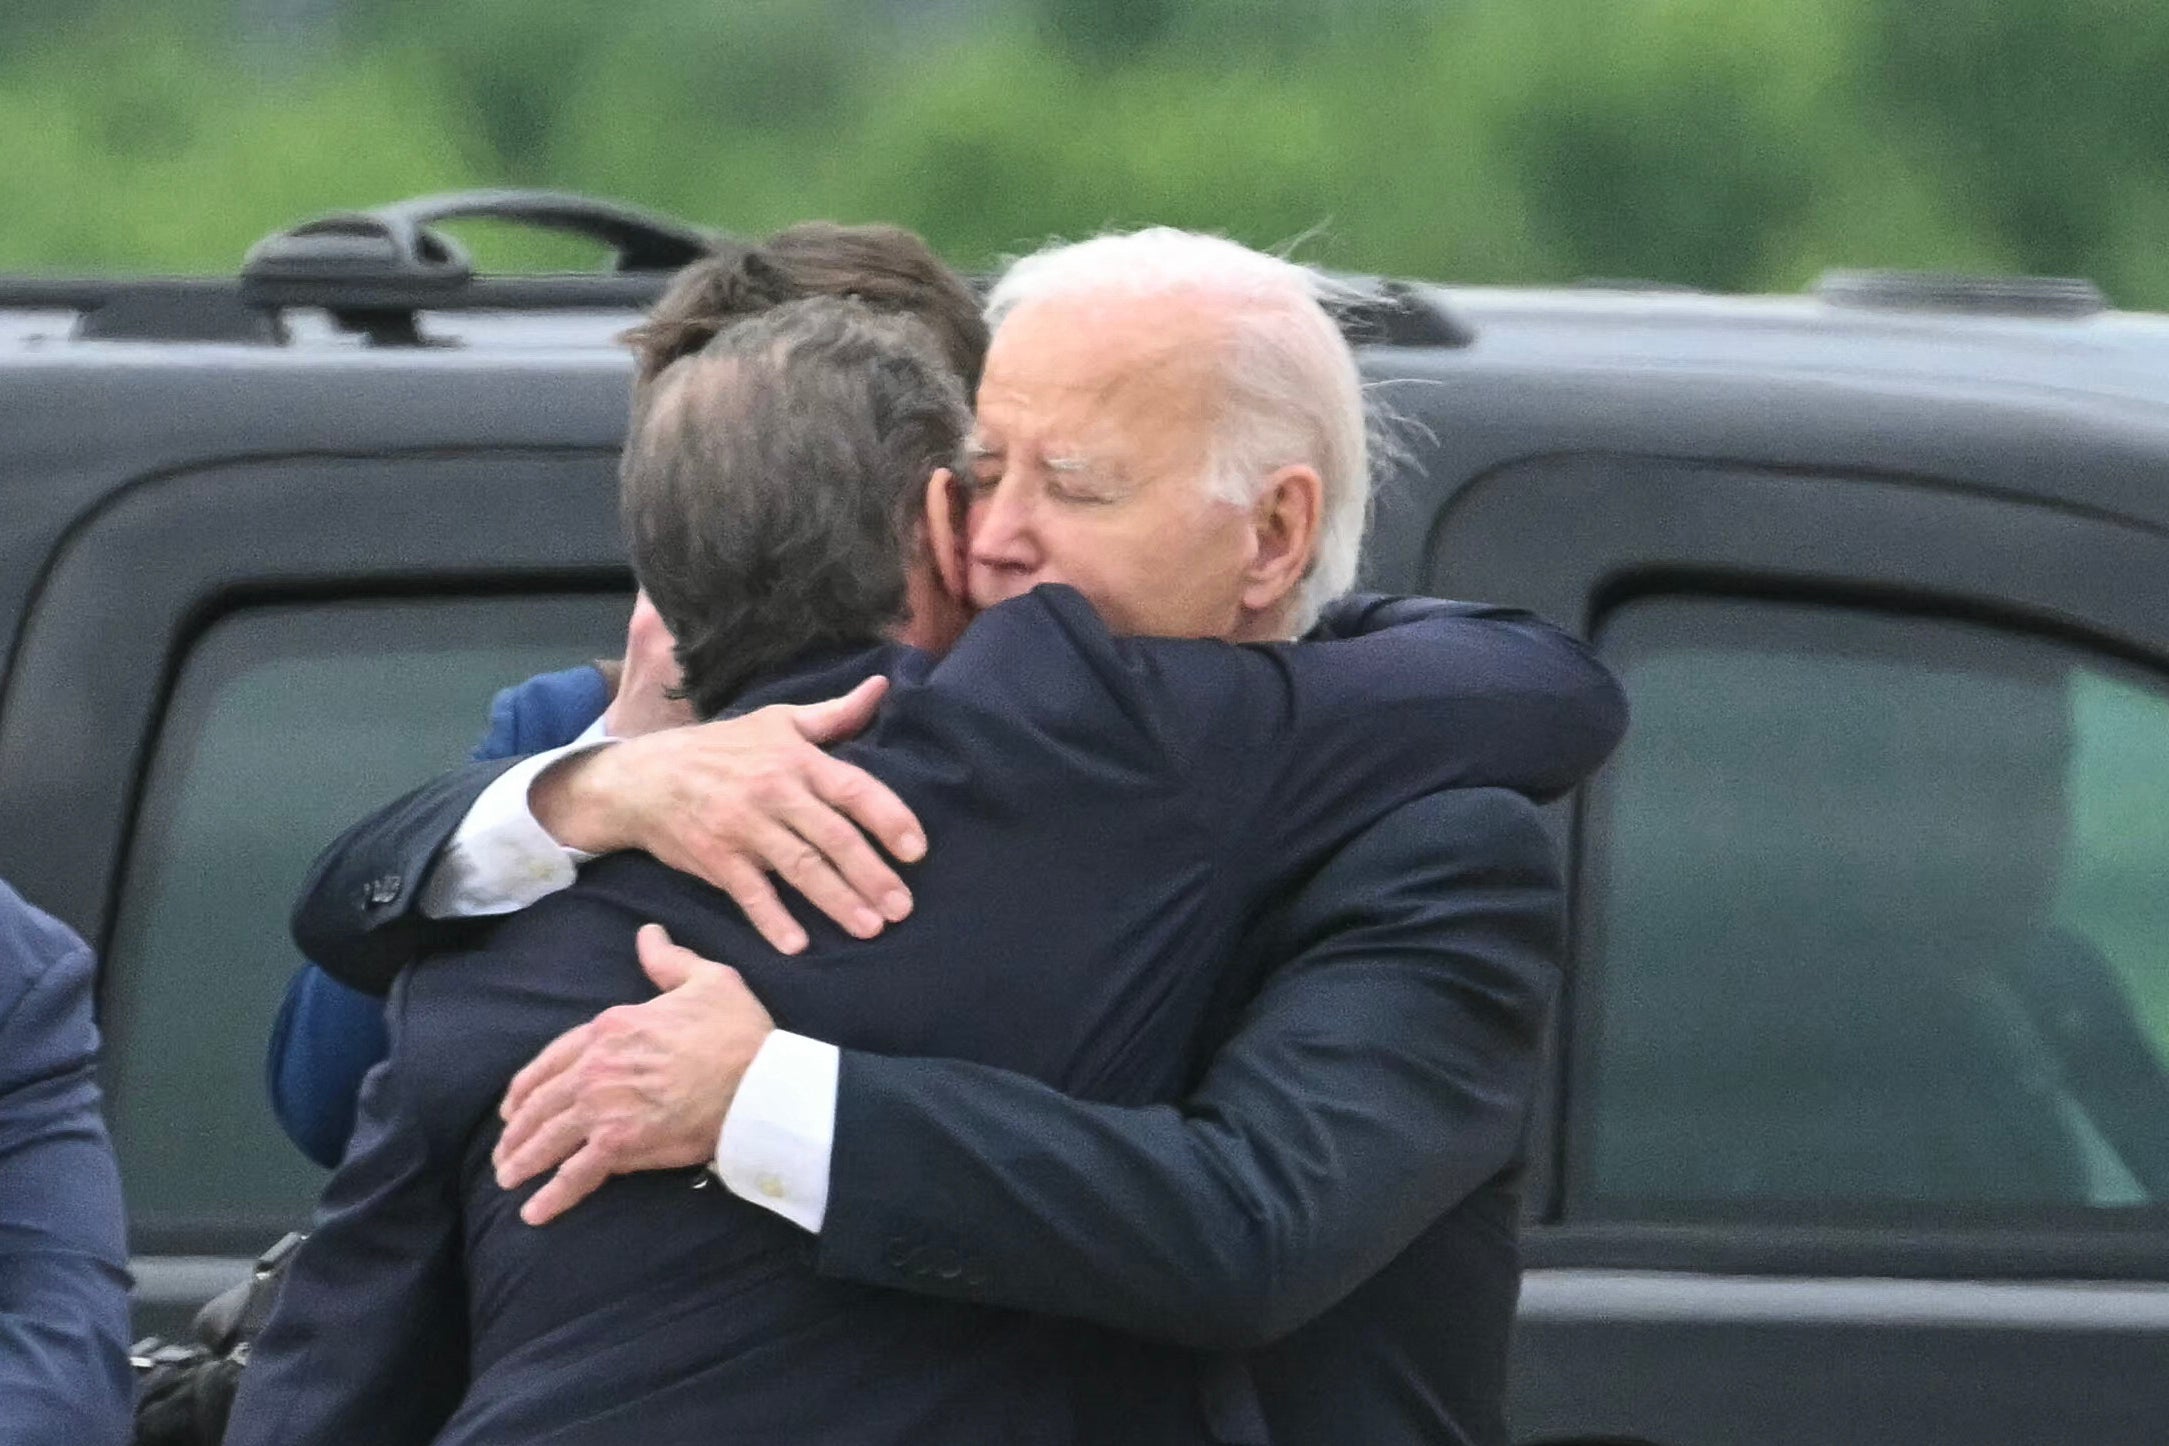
x=1293, y=747
x=328, y=1034
x=543, y=712
x=64, y=1372
x=1404, y=696
x=325, y=1039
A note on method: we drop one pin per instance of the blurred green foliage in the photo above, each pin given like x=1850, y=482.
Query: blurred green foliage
x=1710, y=142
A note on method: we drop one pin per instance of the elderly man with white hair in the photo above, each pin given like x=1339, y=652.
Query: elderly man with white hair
x=1171, y=425
x=1126, y=371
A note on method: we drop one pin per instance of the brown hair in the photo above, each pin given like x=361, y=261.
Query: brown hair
x=884, y=268
x=770, y=481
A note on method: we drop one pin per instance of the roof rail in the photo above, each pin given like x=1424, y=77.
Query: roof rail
x=372, y=270
x=395, y=243
x=160, y=308
x=1398, y=313
x=375, y=271
x=1639, y=284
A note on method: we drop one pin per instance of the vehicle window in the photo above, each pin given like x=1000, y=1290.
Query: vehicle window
x=285, y=725
x=1878, y=919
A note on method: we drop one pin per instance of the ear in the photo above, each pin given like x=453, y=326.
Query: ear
x=945, y=530
x=1284, y=527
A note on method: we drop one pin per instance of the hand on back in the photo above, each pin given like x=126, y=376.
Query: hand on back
x=735, y=800
x=639, y=1087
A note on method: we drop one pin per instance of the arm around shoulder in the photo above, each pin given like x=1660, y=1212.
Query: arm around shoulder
x=1507, y=699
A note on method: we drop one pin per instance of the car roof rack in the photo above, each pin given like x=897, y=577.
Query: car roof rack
x=1384, y=312
x=374, y=272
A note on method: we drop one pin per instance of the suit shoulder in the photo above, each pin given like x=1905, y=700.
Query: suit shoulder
x=1468, y=824
x=575, y=944
x=1045, y=664
x=46, y=976
x=35, y=948
x=1438, y=862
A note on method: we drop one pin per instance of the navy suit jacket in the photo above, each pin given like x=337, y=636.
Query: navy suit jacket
x=1109, y=814
x=1337, y=1197
x=64, y=1374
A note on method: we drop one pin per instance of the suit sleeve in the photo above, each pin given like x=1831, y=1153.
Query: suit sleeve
x=1411, y=695
x=359, y=913
x=368, y=1339
x=1529, y=706
x=1380, y=1075
x=1294, y=746
x=64, y=1372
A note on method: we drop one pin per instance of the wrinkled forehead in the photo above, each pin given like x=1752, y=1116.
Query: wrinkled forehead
x=1095, y=370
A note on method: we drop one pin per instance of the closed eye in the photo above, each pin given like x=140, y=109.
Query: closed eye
x=1084, y=493
x=1080, y=481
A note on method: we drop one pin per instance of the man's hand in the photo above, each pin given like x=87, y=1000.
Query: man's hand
x=733, y=800
x=639, y=1087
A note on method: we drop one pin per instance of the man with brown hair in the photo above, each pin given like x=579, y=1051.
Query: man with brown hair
x=884, y=268
x=327, y=1034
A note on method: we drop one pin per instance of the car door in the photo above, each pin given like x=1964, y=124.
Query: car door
x=219, y=669
x=1860, y=1130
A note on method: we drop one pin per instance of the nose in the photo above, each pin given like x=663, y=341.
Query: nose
x=1002, y=530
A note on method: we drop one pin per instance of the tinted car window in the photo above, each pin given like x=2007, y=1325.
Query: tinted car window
x=285, y=724
x=1877, y=919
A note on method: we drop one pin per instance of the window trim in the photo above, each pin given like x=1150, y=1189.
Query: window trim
x=242, y=1230
x=1930, y=1241
x=1567, y=534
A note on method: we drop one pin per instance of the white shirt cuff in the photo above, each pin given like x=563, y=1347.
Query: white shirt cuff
x=501, y=859
x=781, y=1129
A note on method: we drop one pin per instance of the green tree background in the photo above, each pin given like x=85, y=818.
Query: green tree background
x=1719, y=143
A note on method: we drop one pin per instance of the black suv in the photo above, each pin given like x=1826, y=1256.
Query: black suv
x=1857, y=1127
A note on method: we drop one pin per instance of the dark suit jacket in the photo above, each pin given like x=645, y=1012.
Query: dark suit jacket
x=64, y=1373
x=1493, y=682
x=1362, y=1123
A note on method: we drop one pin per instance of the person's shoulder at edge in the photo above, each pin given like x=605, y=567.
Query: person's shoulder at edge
x=32, y=943
x=71, y=1373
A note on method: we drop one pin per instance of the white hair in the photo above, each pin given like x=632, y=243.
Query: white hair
x=1294, y=395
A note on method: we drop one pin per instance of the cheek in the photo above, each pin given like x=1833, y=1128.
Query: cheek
x=1137, y=571
x=1082, y=545
x=1200, y=548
